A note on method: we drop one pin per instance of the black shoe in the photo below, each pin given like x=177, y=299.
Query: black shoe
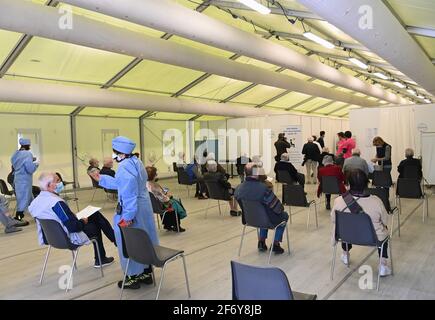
x=180, y=229
x=328, y=206
x=130, y=283
x=106, y=262
x=168, y=228
x=262, y=246
x=21, y=223
x=277, y=248
x=145, y=278
x=235, y=213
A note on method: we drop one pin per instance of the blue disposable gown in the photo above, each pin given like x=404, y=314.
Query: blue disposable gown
x=130, y=181
x=22, y=161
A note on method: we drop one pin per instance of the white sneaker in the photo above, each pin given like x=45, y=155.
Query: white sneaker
x=345, y=259
x=384, y=271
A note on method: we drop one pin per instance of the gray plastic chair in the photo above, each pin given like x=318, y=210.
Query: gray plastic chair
x=55, y=236
x=284, y=176
x=255, y=216
x=357, y=229
x=382, y=193
x=262, y=283
x=138, y=247
x=216, y=192
x=294, y=195
x=411, y=189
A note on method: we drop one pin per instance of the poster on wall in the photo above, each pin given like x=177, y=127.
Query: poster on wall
x=294, y=137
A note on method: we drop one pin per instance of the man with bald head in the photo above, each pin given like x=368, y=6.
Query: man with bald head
x=355, y=162
x=107, y=168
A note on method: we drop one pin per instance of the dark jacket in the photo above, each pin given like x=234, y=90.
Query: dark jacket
x=281, y=147
x=321, y=142
x=311, y=151
x=286, y=166
x=410, y=163
x=219, y=177
x=107, y=171
x=255, y=190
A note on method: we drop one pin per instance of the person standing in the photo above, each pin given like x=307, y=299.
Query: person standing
x=24, y=165
x=312, y=155
x=134, y=206
x=321, y=140
x=349, y=145
x=383, y=154
x=281, y=146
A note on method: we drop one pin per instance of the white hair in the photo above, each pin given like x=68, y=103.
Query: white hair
x=356, y=152
x=211, y=166
x=45, y=179
x=409, y=153
x=327, y=160
x=284, y=157
x=210, y=156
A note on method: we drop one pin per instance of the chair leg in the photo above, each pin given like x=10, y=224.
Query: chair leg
x=391, y=256
x=208, y=206
x=177, y=221
x=315, y=211
x=75, y=254
x=424, y=209
x=45, y=265
x=334, y=255
x=379, y=268
x=288, y=239
x=188, y=192
x=99, y=256
x=219, y=206
x=158, y=221
x=93, y=195
x=241, y=240
x=308, y=217
x=290, y=214
x=271, y=246
x=154, y=276
x=185, y=275
x=161, y=280
x=123, y=280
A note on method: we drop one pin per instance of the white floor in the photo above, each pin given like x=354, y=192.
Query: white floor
x=210, y=244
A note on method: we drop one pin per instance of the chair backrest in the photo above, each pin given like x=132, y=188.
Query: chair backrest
x=174, y=166
x=156, y=204
x=411, y=172
x=382, y=179
x=138, y=245
x=330, y=185
x=4, y=188
x=55, y=235
x=294, y=195
x=183, y=177
x=216, y=191
x=355, y=228
x=381, y=193
x=255, y=214
x=409, y=188
x=283, y=176
x=259, y=283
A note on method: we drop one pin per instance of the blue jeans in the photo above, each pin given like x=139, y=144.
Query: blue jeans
x=278, y=236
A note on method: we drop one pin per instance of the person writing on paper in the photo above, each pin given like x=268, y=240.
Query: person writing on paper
x=134, y=206
x=49, y=205
x=24, y=165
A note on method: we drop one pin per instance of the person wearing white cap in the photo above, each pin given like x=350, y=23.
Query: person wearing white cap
x=24, y=165
x=134, y=206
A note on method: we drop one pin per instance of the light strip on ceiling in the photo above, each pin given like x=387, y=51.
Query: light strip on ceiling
x=319, y=40
x=256, y=6
x=411, y=91
x=381, y=75
x=358, y=63
x=427, y=100
x=399, y=84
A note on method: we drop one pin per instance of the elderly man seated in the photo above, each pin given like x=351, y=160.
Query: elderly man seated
x=48, y=205
x=410, y=163
x=285, y=165
x=254, y=189
x=356, y=163
x=11, y=225
x=213, y=175
x=107, y=168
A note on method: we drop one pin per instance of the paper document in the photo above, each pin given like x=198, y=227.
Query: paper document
x=87, y=212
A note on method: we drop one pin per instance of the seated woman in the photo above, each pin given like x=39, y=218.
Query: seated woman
x=372, y=206
x=173, y=206
x=330, y=169
x=48, y=205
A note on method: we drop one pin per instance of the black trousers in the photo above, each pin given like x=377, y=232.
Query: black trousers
x=170, y=220
x=384, y=251
x=328, y=198
x=97, y=223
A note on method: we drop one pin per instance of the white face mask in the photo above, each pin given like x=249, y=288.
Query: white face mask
x=117, y=157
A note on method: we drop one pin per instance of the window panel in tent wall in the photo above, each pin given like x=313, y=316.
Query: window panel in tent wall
x=53, y=132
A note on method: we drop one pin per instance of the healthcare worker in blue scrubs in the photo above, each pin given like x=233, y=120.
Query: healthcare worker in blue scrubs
x=24, y=165
x=134, y=205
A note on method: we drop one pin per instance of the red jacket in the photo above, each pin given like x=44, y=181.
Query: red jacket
x=331, y=170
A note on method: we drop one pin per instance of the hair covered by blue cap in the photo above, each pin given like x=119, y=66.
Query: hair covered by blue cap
x=123, y=145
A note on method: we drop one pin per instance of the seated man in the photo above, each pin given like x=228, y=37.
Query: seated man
x=330, y=169
x=107, y=168
x=372, y=206
x=411, y=163
x=285, y=165
x=93, y=165
x=48, y=205
x=11, y=225
x=213, y=175
x=255, y=190
x=355, y=163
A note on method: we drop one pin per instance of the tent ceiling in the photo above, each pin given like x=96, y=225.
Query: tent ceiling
x=53, y=61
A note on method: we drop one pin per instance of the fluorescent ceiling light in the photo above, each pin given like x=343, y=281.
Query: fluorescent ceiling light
x=358, y=63
x=381, y=75
x=399, y=84
x=319, y=40
x=411, y=91
x=256, y=6
x=427, y=100
x=420, y=96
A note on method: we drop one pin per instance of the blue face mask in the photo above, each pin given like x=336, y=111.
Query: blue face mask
x=59, y=187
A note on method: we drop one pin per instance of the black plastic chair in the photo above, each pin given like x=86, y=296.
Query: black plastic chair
x=283, y=176
x=411, y=189
x=412, y=172
x=382, y=179
x=330, y=185
x=184, y=179
x=357, y=229
x=294, y=195
x=256, y=217
x=159, y=210
x=216, y=192
x=262, y=283
x=139, y=247
x=55, y=236
x=382, y=193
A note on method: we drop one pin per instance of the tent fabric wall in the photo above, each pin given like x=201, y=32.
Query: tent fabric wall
x=55, y=140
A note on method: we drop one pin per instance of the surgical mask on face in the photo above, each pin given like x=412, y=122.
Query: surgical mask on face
x=59, y=187
x=117, y=157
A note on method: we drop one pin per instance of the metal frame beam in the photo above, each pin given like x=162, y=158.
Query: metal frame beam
x=322, y=106
x=337, y=109
x=425, y=32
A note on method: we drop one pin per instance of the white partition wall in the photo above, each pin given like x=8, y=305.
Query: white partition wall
x=50, y=134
